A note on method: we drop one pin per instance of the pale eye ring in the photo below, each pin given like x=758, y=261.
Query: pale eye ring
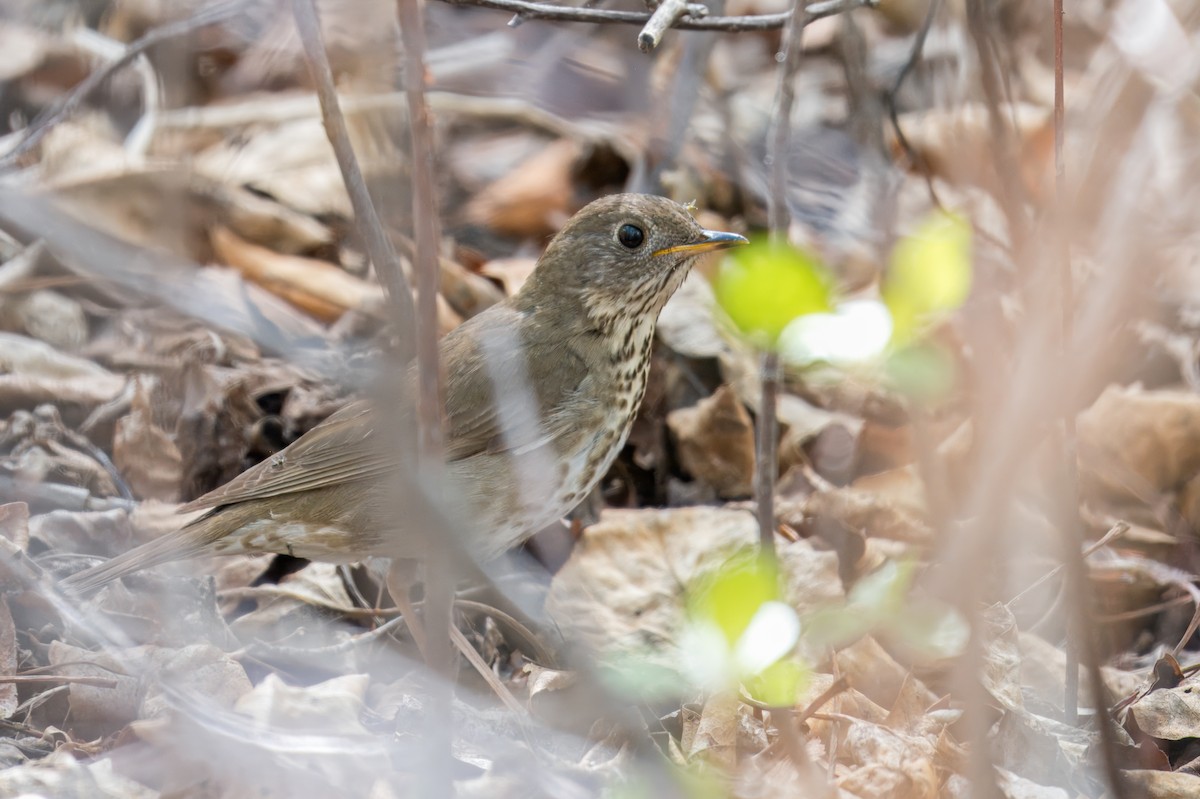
x=631, y=236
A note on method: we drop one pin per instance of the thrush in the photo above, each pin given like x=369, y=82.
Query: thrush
x=540, y=393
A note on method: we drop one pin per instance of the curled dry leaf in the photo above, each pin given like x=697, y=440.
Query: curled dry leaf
x=319, y=288
x=47, y=316
x=33, y=372
x=1170, y=714
x=1150, y=784
x=715, y=438
x=716, y=736
x=264, y=221
x=292, y=162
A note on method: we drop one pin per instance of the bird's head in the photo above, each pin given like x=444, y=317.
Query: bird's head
x=623, y=255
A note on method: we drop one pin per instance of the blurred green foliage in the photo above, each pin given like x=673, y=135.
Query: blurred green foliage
x=765, y=286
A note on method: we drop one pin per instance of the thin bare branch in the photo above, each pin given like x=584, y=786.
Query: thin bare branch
x=75, y=98
x=375, y=239
x=525, y=10
x=668, y=13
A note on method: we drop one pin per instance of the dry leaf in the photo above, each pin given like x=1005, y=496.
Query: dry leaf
x=1135, y=442
x=318, y=287
x=716, y=735
x=62, y=775
x=14, y=524
x=623, y=588
x=511, y=272
x=890, y=763
x=1148, y=784
x=534, y=199
x=292, y=162
x=47, y=316
x=1172, y=714
x=32, y=372
x=715, y=438
x=145, y=455
x=8, y=660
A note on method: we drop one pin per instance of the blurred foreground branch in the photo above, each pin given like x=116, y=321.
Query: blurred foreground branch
x=525, y=10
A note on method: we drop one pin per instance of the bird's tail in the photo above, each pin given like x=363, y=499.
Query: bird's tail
x=186, y=542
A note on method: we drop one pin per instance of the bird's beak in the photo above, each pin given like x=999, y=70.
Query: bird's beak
x=710, y=240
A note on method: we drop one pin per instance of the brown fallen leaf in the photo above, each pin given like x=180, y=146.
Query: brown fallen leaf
x=716, y=737
x=624, y=587
x=715, y=438
x=1134, y=443
x=534, y=199
x=320, y=288
x=1150, y=784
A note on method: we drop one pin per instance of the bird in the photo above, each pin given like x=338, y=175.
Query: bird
x=575, y=341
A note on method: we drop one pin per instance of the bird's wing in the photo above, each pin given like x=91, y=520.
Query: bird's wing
x=506, y=397
x=335, y=451
x=344, y=447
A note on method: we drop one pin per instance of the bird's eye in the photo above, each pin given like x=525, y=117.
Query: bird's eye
x=631, y=236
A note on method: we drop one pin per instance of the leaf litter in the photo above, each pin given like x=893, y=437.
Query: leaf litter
x=183, y=293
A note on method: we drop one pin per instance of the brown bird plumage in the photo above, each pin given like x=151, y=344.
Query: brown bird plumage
x=575, y=340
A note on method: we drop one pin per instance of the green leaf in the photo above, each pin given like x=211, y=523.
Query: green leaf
x=730, y=597
x=881, y=593
x=779, y=684
x=766, y=285
x=930, y=271
x=835, y=627
x=930, y=630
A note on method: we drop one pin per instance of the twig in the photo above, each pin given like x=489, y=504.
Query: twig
x=1119, y=529
x=767, y=454
x=525, y=9
x=499, y=688
x=785, y=97
x=379, y=248
x=426, y=235
x=439, y=571
x=668, y=13
x=29, y=679
x=914, y=56
x=46, y=120
x=766, y=444
x=1012, y=195
x=137, y=142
